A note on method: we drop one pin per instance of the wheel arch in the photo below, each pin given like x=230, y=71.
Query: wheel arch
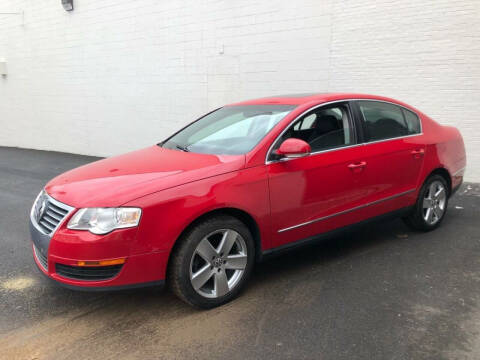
x=443, y=173
x=241, y=215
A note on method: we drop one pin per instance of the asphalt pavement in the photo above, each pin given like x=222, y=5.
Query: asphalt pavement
x=382, y=292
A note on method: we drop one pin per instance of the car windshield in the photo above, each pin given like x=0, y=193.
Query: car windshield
x=230, y=130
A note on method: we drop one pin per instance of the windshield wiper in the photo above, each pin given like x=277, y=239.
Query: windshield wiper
x=183, y=148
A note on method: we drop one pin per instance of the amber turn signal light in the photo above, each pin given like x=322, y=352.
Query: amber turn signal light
x=101, y=263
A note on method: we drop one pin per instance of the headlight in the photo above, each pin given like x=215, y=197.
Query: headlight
x=103, y=220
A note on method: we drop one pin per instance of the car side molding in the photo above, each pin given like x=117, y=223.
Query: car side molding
x=348, y=210
x=312, y=240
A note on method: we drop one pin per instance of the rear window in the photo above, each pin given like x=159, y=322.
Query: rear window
x=383, y=120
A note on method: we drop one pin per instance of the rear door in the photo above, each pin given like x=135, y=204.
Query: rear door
x=393, y=151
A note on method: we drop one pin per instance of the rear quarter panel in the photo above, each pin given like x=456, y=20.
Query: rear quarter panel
x=444, y=149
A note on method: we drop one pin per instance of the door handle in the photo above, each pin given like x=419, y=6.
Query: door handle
x=357, y=167
x=418, y=153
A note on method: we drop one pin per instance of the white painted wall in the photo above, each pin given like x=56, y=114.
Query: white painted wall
x=115, y=75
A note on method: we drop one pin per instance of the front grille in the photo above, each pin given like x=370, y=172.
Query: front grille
x=89, y=273
x=47, y=213
x=51, y=217
x=42, y=259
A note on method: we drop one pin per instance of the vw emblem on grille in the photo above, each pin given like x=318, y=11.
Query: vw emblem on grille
x=40, y=208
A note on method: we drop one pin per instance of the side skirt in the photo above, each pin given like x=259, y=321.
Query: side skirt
x=270, y=253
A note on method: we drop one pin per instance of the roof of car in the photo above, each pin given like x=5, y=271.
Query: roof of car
x=299, y=99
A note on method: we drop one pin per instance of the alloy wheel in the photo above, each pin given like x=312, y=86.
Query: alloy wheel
x=434, y=202
x=218, y=263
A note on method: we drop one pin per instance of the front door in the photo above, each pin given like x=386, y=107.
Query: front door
x=309, y=195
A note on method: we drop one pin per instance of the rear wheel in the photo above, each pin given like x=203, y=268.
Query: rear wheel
x=212, y=262
x=431, y=205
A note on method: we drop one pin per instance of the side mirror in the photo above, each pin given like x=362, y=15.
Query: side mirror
x=293, y=148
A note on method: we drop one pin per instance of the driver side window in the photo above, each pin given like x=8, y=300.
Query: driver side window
x=323, y=128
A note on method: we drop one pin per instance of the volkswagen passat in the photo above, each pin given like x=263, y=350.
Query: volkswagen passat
x=243, y=182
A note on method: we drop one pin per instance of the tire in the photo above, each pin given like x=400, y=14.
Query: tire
x=430, y=209
x=208, y=276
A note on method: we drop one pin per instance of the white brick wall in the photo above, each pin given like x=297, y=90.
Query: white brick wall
x=115, y=75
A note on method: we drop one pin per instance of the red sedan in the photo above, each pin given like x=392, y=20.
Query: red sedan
x=243, y=182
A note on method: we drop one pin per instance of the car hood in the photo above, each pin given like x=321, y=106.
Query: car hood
x=117, y=180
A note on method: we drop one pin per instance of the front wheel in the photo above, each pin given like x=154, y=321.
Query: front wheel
x=431, y=205
x=212, y=262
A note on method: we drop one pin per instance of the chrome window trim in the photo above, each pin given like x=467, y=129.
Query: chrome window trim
x=68, y=208
x=389, y=139
x=347, y=211
x=353, y=122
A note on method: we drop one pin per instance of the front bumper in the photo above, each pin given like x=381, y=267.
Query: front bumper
x=64, y=248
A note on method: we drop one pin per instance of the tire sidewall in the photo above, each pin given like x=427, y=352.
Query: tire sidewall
x=419, y=206
x=192, y=239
